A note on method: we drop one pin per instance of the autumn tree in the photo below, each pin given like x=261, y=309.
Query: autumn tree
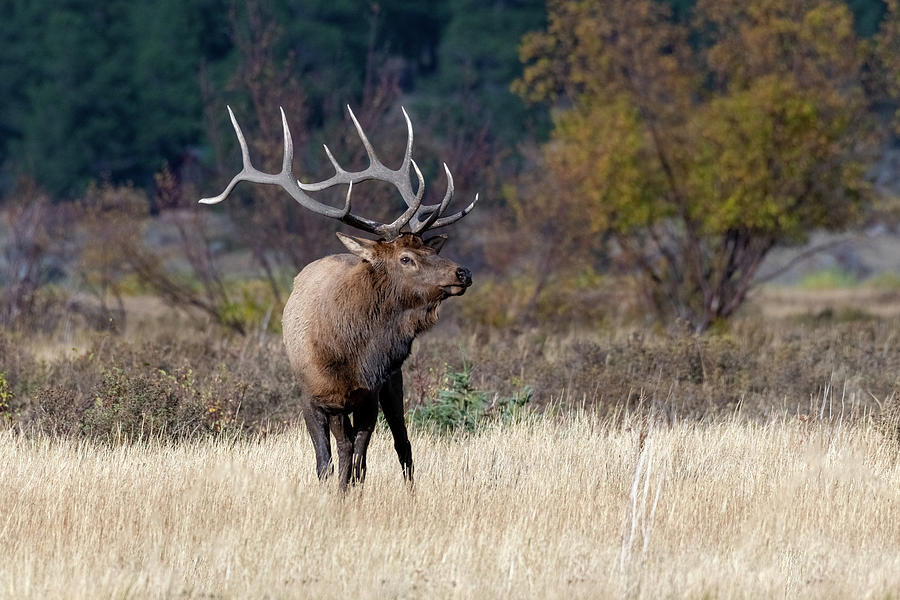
x=688, y=149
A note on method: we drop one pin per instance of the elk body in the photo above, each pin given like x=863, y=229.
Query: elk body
x=350, y=320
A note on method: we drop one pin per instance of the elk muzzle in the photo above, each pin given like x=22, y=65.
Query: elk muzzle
x=463, y=281
x=464, y=276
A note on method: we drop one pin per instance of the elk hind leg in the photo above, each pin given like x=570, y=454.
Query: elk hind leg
x=344, y=434
x=364, y=419
x=317, y=426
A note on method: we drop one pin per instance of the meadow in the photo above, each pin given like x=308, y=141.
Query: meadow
x=610, y=460
x=578, y=506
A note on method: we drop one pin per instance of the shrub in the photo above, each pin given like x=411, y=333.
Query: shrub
x=180, y=384
x=5, y=398
x=459, y=407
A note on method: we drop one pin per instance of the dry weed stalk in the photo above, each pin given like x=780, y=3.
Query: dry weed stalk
x=637, y=518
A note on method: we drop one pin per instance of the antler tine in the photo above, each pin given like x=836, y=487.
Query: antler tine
x=412, y=207
x=416, y=225
x=370, y=151
x=443, y=222
x=245, y=159
x=245, y=153
x=287, y=159
x=334, y=163
x=409, y=141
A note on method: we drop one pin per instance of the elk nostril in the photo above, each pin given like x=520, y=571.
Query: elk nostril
x=464, y=275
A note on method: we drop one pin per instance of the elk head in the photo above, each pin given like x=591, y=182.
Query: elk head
x=410, y=268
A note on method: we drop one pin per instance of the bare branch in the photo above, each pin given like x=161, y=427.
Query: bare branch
x=808, y=253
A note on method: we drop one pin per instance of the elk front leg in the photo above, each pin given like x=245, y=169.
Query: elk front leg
x=391, y=399
x=317, y=425
x=364, y=419
x=343, y=433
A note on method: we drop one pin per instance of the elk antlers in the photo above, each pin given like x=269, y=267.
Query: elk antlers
x=416, y=217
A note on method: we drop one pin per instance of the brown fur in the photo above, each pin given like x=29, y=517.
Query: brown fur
x=348, y=326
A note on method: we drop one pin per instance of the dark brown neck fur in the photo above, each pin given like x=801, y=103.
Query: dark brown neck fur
x=381, y=327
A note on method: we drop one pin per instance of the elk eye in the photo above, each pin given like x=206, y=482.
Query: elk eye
x=405, y=260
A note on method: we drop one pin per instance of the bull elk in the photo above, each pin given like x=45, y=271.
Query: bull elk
x=350, y=320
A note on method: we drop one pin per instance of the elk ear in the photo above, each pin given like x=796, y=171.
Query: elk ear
x=437, y=242
x=361, y=247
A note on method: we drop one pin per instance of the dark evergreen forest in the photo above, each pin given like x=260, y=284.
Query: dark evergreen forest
x=116, y=90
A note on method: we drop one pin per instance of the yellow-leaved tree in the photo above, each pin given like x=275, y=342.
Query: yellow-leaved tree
x=689, y=149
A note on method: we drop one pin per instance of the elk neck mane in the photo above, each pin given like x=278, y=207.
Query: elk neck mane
x=380, y=321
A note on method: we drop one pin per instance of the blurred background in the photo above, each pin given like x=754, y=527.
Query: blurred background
x=668, y=166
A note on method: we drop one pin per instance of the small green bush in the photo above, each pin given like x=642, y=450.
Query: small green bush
x=459, y=407
x=6, y=396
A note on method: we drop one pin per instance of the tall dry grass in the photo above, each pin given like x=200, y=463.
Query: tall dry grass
x=573, y=507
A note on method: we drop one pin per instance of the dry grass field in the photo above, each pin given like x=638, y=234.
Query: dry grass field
x=770, y=469
x=574, y=506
